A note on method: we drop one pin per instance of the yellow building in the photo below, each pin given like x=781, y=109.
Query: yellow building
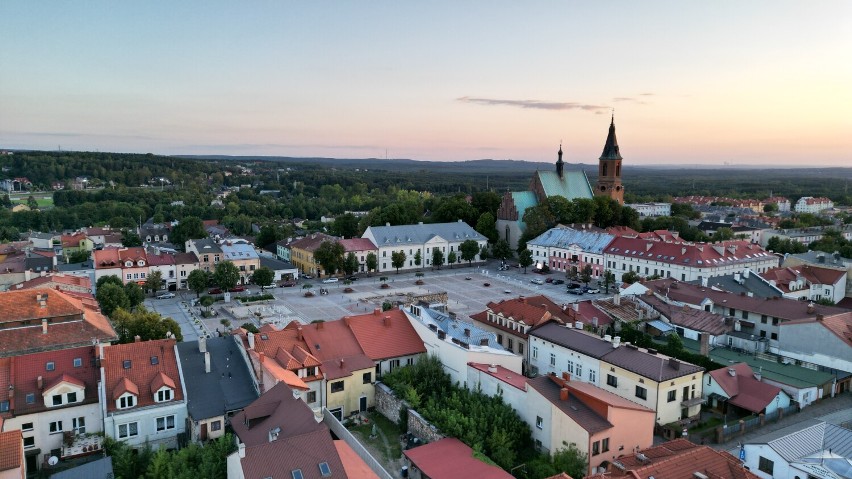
x=302, y=253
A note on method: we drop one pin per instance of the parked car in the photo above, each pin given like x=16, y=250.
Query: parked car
x=237, y=289
x=165, y=296
x=330, y=280
x=215, y=291
x=288, y=284
x=536, y=281
x=575, y=289
x=548, y=280
x=593, y=290
x=558, y=281
x=352, y=278
x=307, y=276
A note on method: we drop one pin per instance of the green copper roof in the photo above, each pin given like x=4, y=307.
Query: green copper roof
x=523, y=200
x=573, y=184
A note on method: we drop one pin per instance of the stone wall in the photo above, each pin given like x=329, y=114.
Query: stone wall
x=422, y=428
x=387, y=403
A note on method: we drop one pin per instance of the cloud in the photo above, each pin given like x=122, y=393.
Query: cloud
x=247, y=146
x=61, y=134
x=534, y=104
x=646, y=94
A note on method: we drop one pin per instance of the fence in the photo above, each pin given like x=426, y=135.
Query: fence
x=725, y=434
x=340, y=431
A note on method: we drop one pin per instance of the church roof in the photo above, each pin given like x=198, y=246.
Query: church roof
x=573, y=184
x=610, y=151
x=523, y=200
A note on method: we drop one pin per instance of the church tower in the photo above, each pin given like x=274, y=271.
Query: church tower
x=609, y=168
x=560, y=165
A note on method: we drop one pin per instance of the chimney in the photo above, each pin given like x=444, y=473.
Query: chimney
x=377, y=312
x=565, y=376
x=242, y=450
x=206, y=361
x=820, y=317
x=467, y=332
x=492, y=368
x=578, y=324
x=299, y=333
x=261, y=357
x=319, y=325
x=758, y=375
x=42, y=300
x=732, y=372
x=341, y=364
x=387, y=321
x=674, y=364
x=40, y=382
x=100, y=350
x=43, y=325
x=811, y=308
x=685, y=308
x=576, y=306
x=746, y=273
x=563, y=394
x=137, y=339
x=608, y=338
x=616, y=341
x=202, y=344
x=704, y=344
x=616, y=299
x=250, y=337
x=347, y=320
x=318, y=415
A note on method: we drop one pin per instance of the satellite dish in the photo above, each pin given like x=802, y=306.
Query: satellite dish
x=53, y=460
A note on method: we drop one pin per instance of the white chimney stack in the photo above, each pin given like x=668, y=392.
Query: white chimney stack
x=250, y=337
x=206, y=361
x=202, y=344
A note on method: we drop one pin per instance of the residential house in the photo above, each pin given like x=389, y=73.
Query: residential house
x=12, y=465
x=387, y=338
x=348, y=372
x=745, y=282
x=36, y=320
x=449, y=458
x=813, y=449
x=738, y=390
x=279, y=435
x=45, y=241
x=809, y=283
x=685, y=261
x=166, y=265
x=207, y=251
x=411, y=239
x=570, y=250
x=51, y=393
x=822, y=260
x=710, y=329
x=809, y=204
x=283, y=270
x=669, y=386
x=76, y=243
x=129, y=264
x=782, y=203
x=833, y=334
x=244, y=257
x=678, y=459
x=185, y=263
x=142, y=393
x=218, y=384
x=282, y=249
x=72, y=285
x=598, y=422
x=361, y=247
x=302, y=253
x=511, y=320
x=457, y=343
x=650, y=210
x=151, y=232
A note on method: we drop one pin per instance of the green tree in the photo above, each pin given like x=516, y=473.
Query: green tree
x=263, y=277
x=398, y=260
x=723, y=234
x=329, y=255
x=768, y=208
x=350, y=263
x=250, y=327
x=586, y=274
x=154, y=281
x=418, y=258
x=79, y=256
x=146, y=324
x=268, y=234
x=32, y=203
x=674, y=343
x=502, y=250
x=189, y=228
x=113, y=279
x=345, y=226
x=483, y=252
x=134, y=294
x=111, y=297
x=207, y=301
x=571, y=461
x=130, y=239
x=630, y=277
x=452, y=259
x=525, y=259
x=437, y=258
x=226, y=275
x=372, y=262
x=486, y=225
x=469, y=250
x=197, y=281
x=609, y=279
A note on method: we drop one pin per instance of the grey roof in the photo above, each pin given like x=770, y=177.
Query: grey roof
x=99, y=469
x=85, y=265
x=801, y=440
x=572, y=407
x=565, y=237
x=275, y=264
x=421, y=233
x=227, y=387
x=455, y=329
x=206, y=245
x=753, y=284
x=573, y=339
x=813, y=257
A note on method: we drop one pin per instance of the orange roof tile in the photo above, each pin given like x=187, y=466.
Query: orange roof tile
x=333, y=343
x=64, y=378
x=11, y=450
x=450, y=458
x=140, y=371
x=353, y=465
x=161, y=380
x=26, y=369
x=384, y=335
x=124, y=386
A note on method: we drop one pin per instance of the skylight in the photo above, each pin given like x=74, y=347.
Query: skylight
x=155, y=360
x=297, y=474
x=324, y=469
x=126, y=364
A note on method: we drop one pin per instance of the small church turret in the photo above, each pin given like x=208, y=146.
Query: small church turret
x=609, y=168
x=560, y=165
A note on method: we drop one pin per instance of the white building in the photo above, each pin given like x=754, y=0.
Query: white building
x=647, y=210
x=562, y=249
x=809, y=204
x=813, y=449
x=411, y=239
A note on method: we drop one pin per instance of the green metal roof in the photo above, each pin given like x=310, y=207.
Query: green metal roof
x=573, y=184
x=523, y=200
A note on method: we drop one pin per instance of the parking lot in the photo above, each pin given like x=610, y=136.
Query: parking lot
x=465, y=297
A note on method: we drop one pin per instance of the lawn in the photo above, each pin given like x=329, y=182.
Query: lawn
x=387, y=439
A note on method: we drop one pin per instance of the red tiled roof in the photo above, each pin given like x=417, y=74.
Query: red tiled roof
x=25, y=371
x=277, y=407
x=11, y=450
x=532, y=311
x=678, y=459
x=502, y=374
x=124, y=386
x=384, y=335
x=743, y=389
x=684, y=316
x=357, y=244
x=671, y=251
x=133, y=254
x=162, y=259
x=72, y=240
x=186, y=258
x=312, y=242
x=141, y=372
x=72, y=322
x=269, y=340
x=161, y=380
x=450, y=458
x=64, y=378
x=106, y=258
x=56, y=281
x=333, y=343
x=352, y=462
x=812, y=274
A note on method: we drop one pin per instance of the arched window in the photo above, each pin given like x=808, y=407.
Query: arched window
x=618, y=169
x=604, y=170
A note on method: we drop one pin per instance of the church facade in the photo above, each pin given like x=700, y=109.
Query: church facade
x=569, y=184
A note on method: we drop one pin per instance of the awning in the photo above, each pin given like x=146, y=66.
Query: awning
x=661, y=326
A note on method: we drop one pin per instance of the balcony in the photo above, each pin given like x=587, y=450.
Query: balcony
x=687, y=403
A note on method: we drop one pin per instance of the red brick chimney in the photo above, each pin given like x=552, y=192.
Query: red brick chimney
x=377, y=312
x=387, y=321
x=563, y=394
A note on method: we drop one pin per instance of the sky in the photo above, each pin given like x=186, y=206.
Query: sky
x=729, y=82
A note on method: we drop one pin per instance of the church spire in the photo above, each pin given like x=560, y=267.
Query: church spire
x=610, y=151
x=559, y=163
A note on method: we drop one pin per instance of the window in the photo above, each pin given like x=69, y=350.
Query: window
x=520, y=348
x=128, y=430
x=72, y=397
x=312, y=397
x=570, y=367
x=552, y=359
x=773, y=336
x=29, y=442
x=164, y=394
x=535, y=352
x=125, y=402
x=27, y=426
x=297, y=474
x=324, y=469
x=592, y=376
x=367, y=378
x=611, y=380
x=155, y=360
x=641, y=393
x=79, y=425
x=763, y=318
x=605, y=445
x=31, y=398
x=596, y=448
x=55, y=426
x=126, y=364
x=216, y=425
x=78, y=362
x=765, y=465
x=672, y=396
x=312, y=371
x=511, y=345
x=539, y=422
x=337, y=386
x=763, y=334
x=57, y=399
x=164, y=423
x=50, y=366
x=4, y=406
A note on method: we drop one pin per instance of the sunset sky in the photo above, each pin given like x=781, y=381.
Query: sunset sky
x=756, y=82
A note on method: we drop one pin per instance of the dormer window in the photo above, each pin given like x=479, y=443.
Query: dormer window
x=128, y=264
x=163, y=395
x=126, y=401
x=140, y=263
